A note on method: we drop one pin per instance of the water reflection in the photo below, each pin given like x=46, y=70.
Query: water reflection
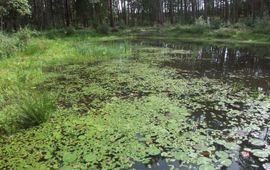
x=228, y=64
x=247, y=66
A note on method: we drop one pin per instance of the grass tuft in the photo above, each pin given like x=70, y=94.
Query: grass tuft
x=34, y=110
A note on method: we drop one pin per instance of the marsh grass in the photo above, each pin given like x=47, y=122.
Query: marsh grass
x=34, y=110
x=22, y=104
x=99, y=52
x=11, y=43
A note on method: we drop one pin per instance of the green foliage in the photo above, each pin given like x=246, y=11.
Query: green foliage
x=101, y=52
x=20, y=6
x=215, y=23
x=201, y=22
x=103, y=29
x=33, y=110
x=8, y=45
x=249, y=22
x=11, y=43
x=262, y=26
x=118, y=109
x=192, y=29
x=69, y=31
x=23, y=36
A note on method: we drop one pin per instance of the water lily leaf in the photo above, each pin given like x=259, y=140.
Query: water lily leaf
x=266, y=166
x=181, y=156
x=232, y=146
x=222, y=154
x=153, y=151
x=69, y=157
x=261, y=153
x=256, y=142
x=90, y=157
x=206, y=167
x=226, y=162
x=66, y=168
x=204, y=161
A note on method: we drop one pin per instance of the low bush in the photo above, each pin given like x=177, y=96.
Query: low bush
x=11, y=43
x=249, y=22
x=8, y=45
x=223, y=34
x=103, y=29
x=193, y=29
x=69, y=31
x=23, y=36
x=215, y=23
x=262, y=26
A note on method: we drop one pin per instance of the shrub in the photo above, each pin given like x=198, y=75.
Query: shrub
x=23, y=36
x=201, y=22
x=223, y=34
x=193, y=29
x=215, y=23
x=262, y=26
x=249, y=22
x=8, y=45
x=103, y=29
x=34, y=110
x=69, y=31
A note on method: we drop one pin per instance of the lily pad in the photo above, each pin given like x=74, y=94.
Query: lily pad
x=262, y=153
x=206, y=167
x=266, y=166
x=180, y=156
x=69, y=157
x=153, y=150
x=90, y=157
x=204, y=161
x=222, y=154
x=256, y=142
x=66, y=168
x=226, y=162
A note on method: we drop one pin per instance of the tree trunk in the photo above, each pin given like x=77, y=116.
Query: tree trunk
x=111, y=13
x=67, y=15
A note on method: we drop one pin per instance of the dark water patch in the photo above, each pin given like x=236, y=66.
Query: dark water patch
x=230, y=65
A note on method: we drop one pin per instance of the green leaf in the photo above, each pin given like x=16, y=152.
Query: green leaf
x=153, y=150
x=204, y=161
x=256, y=142
x=222, y=154
x=261, y=153
x=69, y=157
x=206, y=167
x=181, y=156
x=226, y=162
x=66, y=168
x=90, y=157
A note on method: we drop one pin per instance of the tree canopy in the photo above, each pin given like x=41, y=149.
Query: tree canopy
x=84, y=13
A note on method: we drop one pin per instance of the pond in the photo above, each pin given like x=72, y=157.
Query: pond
x=240, y=67
x=156, y=105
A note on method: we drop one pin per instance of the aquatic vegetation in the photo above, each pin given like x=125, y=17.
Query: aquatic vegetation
x=118, y=110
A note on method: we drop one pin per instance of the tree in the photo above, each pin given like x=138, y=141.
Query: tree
x=11, y=11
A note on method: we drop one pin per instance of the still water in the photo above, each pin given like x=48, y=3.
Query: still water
x=240, y=66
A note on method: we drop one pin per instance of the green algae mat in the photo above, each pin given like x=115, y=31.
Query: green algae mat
x=138, y=112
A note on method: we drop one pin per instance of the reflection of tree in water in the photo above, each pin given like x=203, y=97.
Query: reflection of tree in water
x=229, y=64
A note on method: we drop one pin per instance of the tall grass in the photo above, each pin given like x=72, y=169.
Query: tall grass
x=22, y=109
x=34, y=110
x=94, y=52
x=11, y=43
